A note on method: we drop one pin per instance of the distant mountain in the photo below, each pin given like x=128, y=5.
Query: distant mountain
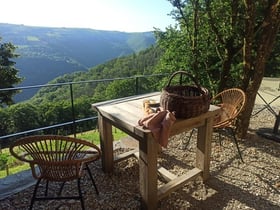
x=46, y=53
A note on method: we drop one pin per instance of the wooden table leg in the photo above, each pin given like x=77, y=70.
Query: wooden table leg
x=148, y=151
x=203, y=151
x=106, y=143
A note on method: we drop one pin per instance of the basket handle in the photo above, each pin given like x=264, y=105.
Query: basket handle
x=183, y=72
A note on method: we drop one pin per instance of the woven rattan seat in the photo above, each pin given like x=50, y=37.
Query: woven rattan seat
x=56, y=158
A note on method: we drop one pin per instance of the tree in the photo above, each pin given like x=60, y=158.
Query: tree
x=23, y=117
x=261, y=28
x=4, y=122
x=120, y=88
x=8, y=72
x=226, y=22
x=239, y=35
x=252, y=36
x=191, y=45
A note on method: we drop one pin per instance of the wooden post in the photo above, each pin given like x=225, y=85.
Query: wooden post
x=7, y=170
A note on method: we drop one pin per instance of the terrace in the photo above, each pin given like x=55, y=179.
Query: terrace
x=254, y=184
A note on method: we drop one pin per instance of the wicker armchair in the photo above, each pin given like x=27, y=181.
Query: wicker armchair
x=231, y=102
x=57, y=159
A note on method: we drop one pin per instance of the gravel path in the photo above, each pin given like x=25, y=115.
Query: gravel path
x=254, y=184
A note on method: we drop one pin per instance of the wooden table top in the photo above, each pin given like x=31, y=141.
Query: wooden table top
x=126, y=112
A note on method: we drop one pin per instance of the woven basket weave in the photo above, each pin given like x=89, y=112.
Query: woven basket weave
x=185, y=100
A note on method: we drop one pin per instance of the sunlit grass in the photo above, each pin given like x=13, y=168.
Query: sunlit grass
x=93, y=135
x=14, y=170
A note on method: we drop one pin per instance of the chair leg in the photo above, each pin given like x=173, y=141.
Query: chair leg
x=61, y=188
x=80, y=194
x=34, y=194
x=93, y=182
x=220, y=137
x=185, y=144
x=47, y=188
x=235, y=140
x=191, y=135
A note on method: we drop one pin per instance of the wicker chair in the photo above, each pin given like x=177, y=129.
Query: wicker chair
x=231, y=102
x=56, y=158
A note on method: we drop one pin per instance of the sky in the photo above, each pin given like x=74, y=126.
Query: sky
x=113, y=15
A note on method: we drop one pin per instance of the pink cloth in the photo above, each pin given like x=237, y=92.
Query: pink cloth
x=160, y=124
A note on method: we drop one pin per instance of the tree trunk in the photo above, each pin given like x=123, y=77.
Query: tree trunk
x=225, y=76
x=225, y=73
x=264, y=46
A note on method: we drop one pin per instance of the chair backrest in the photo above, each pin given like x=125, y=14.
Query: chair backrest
x=231, y=102
x=58, y=157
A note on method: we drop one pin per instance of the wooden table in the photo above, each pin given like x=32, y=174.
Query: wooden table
x=124, y=114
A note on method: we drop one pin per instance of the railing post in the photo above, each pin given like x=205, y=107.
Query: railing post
x=73, y=110
x=136, y=85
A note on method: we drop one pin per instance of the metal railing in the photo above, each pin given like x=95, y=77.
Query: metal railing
x=5, y=139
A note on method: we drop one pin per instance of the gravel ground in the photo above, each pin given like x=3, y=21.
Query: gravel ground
x=254, y=184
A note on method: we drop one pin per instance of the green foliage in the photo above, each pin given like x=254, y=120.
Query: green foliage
x=8, y=72
x=4, y=121
x=3, y=160
x=208, y=41
x=14, y=170
x=142, y=63
x=23, y=116
x=52, y=105
x=273, y=67
x=120, y=88
x=190, y=46
x=227, y=44
x=19, y=117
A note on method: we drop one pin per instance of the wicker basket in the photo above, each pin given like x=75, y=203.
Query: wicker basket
x=185, y=100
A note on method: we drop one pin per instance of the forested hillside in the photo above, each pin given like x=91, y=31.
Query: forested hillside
x=142, y=63
x=46, y=53
x=52, y=105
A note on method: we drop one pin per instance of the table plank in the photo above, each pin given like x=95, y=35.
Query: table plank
x=178, y=182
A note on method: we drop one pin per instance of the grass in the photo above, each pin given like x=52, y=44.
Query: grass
x=15, y=166
x=93, y=135
x=14, y=170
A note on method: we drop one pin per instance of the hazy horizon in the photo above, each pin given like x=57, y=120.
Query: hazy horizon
x=110, y=15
